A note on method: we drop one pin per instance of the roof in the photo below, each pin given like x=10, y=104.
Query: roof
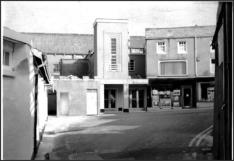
x=62, y=43
x=178, y=32
x=137, y=41
x=15, y=36
x=72, y=43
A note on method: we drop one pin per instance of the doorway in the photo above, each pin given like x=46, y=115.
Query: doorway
x=91, y=97
x=137, y=98
x=187, y=96
x=52, y=103
x=110, y=98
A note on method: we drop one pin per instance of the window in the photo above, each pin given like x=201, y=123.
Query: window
x=161, y=47
x=113, y=54
x=211, y=49
x=131, y=65
x=6, y=58
x=137, y=51
x=212, y=67
x=173, y=68
x=56, y=68
x=182, y=47
x=207, y=92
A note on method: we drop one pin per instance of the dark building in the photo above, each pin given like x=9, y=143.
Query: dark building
x=222, y=43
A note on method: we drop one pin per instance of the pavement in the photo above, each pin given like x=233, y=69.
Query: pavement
x=184, y=134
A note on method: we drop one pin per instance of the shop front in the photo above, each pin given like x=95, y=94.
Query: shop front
x=173, y=93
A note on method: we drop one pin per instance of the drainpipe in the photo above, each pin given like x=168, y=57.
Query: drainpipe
x=195, y=54
x=195, y=65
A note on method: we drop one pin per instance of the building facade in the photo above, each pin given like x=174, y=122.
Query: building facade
x=178, y=65
x=168, y=67
x=24, y=96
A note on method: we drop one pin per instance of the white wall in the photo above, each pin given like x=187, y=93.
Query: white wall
x=42, y=106
x=18, y=109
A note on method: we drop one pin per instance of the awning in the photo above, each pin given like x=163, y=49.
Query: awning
x=40, y=61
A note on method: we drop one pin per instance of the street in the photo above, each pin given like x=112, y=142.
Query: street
x=133, y=136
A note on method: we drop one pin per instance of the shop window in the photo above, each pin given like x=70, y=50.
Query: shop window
x=173, y=68
x=182, y=47
x=161, y=47
x=131, y=65
x=207, y=92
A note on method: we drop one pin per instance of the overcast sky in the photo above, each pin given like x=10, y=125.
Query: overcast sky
x=78, y=17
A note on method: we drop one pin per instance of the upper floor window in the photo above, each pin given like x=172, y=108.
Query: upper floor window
x=56, y=68
x=182, y=47
x=161, y=47
x=173, y=68
x=6, y=58
x=136, y=51
x=212, y=67
x=131, y=65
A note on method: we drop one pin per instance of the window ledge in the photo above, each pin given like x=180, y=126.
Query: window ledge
x=8, y=72
x=186, y=75
x=162, y=53
x=182, y=53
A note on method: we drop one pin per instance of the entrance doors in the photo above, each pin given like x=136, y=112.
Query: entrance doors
x=137, y=97
x=187, y=96
x=91, y=96
x=110, y=98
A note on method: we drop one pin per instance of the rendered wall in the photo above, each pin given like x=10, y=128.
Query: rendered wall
x=203, y=56
x=102, y=31
x=18, y=107
x=76, y=97
x=42, y=106
x=152, y=57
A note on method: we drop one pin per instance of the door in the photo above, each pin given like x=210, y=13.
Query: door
x=91, y=97
x=110, y=98
x=137, y=98
x=64, y=103
x=187, y=97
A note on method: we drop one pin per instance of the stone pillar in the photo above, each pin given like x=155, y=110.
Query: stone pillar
x=101, y=99
x=126, y=97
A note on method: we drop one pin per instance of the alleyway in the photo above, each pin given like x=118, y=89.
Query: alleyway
x=136, y=135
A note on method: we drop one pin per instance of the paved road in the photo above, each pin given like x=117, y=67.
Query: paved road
x=136, y=135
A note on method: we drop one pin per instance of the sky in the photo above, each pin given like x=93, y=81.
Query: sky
x=79, y=16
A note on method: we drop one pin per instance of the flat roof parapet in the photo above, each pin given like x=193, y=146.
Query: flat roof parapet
x=106, y=20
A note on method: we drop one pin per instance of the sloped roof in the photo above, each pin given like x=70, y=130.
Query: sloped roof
x=71, y=43
x=62, y=43
x=191, y=31
x=16, y=36
x=137, y=41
